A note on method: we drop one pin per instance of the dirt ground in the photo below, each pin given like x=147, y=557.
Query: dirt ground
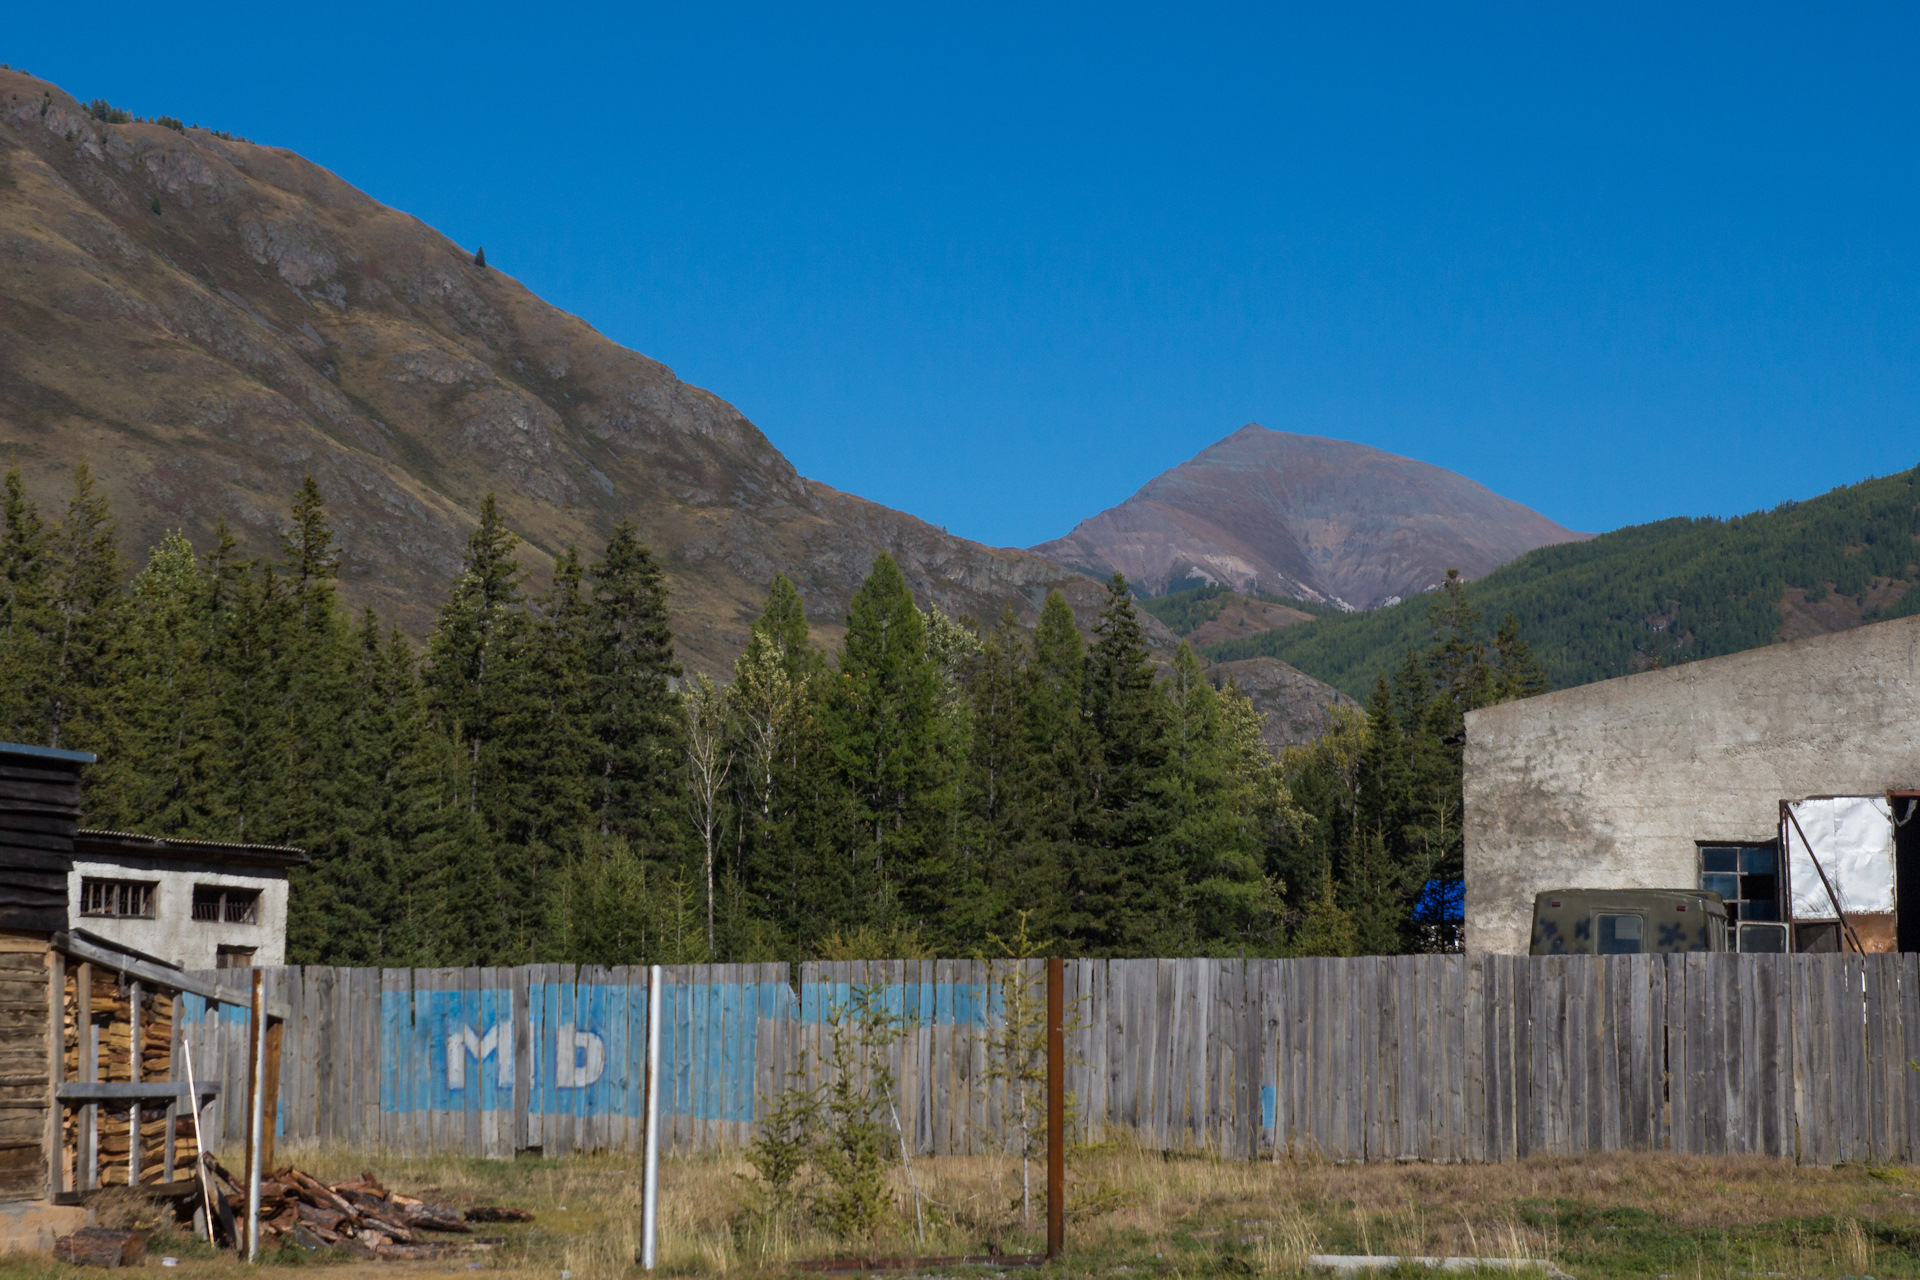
x=1150, y=1217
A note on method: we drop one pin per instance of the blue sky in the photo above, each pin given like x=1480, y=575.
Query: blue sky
x=1000, y=266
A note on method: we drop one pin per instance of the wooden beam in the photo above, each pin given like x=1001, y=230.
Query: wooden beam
x=79, y=1092
x=159, y=975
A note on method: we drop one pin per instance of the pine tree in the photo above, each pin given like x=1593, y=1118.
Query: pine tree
x=888, y=737
x=630, y=673
x=316, y=653
x=1127, y=892
x=1216, y=833
x=81, y=618
x=995, y=868
x=162, y=771
x=23, y=575
x=784, y=622
x=550, y=752
x=1516, y=673
x=254, y=739
x=791, y=836
x=475, y=646
x=1372, y=893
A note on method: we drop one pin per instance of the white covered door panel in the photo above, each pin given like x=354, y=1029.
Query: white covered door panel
x=1853, y=838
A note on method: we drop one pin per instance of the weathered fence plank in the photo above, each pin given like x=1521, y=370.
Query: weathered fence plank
x=1412, y=1057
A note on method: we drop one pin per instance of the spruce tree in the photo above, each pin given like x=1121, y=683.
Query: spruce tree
x=996, y=863
x=316, y=653
x=1128, y=893
x=160, y=776
x=78, y=625
x=890, y=745
x=630, y=673
x=24, y=566
x=1516, y=673
x=477, y=642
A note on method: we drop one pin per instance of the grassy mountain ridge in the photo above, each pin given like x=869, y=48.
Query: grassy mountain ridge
x=206, y=321
x=1656, y=594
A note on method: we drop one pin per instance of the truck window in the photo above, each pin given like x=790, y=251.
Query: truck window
x=1619, y=935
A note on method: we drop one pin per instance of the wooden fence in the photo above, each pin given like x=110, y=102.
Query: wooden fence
x=1414, y=1057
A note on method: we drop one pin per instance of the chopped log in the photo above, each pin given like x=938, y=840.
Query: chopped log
x=498, y=1213
x=330, y=1220
x=102, y=1247
x=322, y=1195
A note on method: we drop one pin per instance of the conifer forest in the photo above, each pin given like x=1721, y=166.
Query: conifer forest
x=538, y=779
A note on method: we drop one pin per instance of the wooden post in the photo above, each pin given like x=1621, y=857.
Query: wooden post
x=56, y=1072
x=1056, y=1107
x=169, y=1152
x=86, y=1175
x=136, y=1029
x=275, y=1030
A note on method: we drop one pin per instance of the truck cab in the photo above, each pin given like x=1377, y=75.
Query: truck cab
x=1627, y=922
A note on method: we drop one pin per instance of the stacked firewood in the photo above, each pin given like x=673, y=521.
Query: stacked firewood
x=111, y=1012
x=362, y=1216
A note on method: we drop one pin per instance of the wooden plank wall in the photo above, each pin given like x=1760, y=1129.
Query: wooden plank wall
x=1441, y=1058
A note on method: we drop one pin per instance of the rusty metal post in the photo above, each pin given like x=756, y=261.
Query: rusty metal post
x=1056, y=1106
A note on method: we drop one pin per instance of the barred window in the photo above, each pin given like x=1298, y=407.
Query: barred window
x=131, y=899
x=226, y=904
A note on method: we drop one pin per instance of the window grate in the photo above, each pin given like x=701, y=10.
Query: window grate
x=126, y=899
x=222, y=904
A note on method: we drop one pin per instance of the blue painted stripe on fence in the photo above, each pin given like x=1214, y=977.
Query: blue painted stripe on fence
x=454, y=1050
x=1266, y=1106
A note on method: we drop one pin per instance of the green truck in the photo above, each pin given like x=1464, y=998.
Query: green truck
x=1628, y=922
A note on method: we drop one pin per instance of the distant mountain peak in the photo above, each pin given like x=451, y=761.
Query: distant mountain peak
x=1310, y=517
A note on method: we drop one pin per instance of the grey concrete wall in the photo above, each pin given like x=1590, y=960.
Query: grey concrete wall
x=1610, y=784
x=173, y=934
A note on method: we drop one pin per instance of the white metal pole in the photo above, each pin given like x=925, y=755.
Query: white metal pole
x=199, y=1141
x=256, y=1123
x=650, y=1188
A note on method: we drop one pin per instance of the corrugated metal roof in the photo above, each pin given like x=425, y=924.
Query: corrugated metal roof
x=176, y=845
x=47, y=753
x=181, y=840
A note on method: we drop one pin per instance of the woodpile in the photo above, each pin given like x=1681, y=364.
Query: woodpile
x=361, y=1216
x=111, y=1016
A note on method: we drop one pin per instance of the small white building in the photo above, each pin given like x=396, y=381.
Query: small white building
x=198, y=904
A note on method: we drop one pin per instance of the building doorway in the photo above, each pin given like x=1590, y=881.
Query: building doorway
x=1906, y=867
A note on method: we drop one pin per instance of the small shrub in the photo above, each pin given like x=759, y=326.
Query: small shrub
x=853, y=1152
x=783, y=1141
x=156, y=206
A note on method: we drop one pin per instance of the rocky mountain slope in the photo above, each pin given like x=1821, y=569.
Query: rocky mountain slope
x=203, y=320
x=1306, y=517
x=1294, y=707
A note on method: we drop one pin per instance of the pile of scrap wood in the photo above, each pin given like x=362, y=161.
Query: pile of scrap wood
x=358, y=1215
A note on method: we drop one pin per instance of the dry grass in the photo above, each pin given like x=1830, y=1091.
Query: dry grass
x=1188, y=1215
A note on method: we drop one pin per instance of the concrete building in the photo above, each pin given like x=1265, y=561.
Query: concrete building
x=197, y=904
x=1802, y=758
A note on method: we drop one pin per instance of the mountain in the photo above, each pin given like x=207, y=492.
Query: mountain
x=1294, y=707
x=1213, y=614
x=1656, y=594
x=1315, y=519
x=203, y=320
